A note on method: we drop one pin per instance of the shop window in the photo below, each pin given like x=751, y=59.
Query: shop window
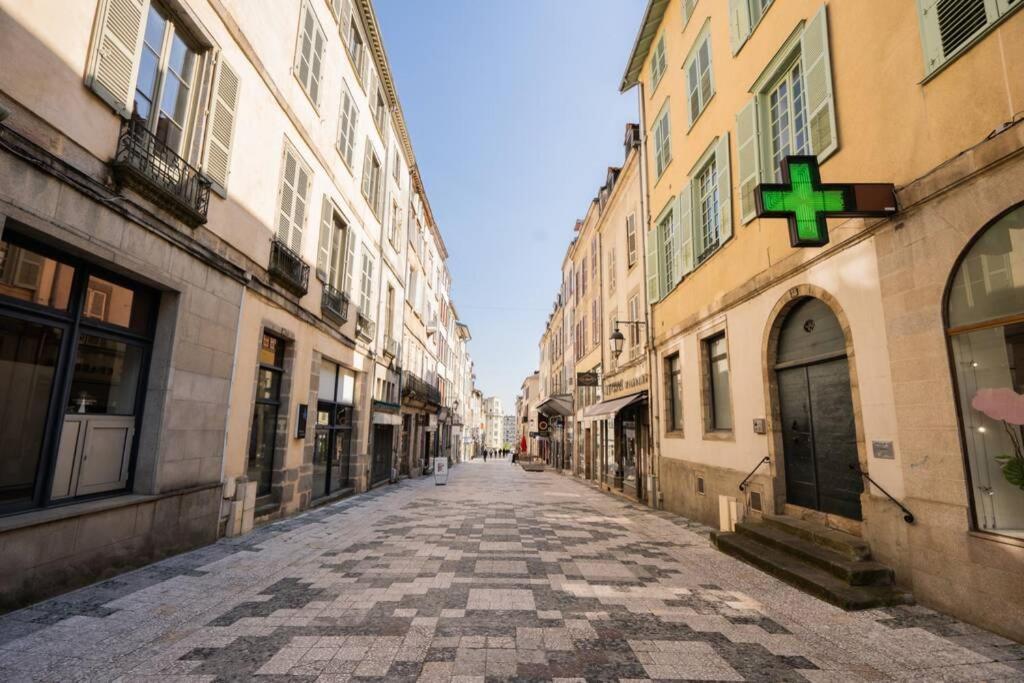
x=332, y=448
x=985, y=314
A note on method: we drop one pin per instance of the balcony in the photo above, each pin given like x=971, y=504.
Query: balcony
x=366, y=329
x=391, y=347
x=288, y=269
x=418, y=389
x=154, y=170
x=334, y=304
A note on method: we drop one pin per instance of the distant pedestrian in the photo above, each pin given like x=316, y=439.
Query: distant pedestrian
x=485, y=454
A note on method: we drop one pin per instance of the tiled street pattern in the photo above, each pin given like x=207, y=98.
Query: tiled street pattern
x=501, y=574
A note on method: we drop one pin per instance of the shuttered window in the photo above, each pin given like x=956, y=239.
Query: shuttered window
x=220, y=135
x=788, y=132
x=658, y=63
x=347, y=126
x=630, y=240
x=611, y=269
x=293, y=200
x=688, y=6
x=662, y=142
x=667, y=247
x=113, y=68
x=372, y=179
x=309, y=54
x=949, y=27
x=699, y=82
x=744, y=15
x=356, y=48
x=366, y=290
x=333, y=245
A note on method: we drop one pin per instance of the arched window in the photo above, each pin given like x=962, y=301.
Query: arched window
x=985, y=316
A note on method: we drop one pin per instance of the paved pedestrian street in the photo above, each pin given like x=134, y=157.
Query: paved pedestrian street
x=501, y=574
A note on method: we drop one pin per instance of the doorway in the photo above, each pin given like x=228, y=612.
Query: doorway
x=383, y=436
x=816, y=412
x=332, y=446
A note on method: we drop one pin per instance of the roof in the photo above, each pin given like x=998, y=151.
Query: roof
x=642, y=46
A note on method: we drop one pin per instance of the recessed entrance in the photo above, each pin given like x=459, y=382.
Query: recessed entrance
x=816, y=412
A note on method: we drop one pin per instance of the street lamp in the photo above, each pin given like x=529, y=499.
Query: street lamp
x=617, y=337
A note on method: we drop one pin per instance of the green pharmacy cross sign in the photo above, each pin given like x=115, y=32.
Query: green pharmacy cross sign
x=806, y=202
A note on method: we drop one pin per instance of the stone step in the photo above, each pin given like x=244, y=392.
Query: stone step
x=807, y=577
x=851, y=546
x=853, y=572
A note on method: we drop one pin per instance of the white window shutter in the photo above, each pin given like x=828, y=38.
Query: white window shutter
x=739, y=23
x=115, y=64
x=653, y=271
x=722, y=163
x=299, y=212
x=749, y=153
x=346, y=19
x=287, y=196
x=219, y=135
x=323, y=252
x=366, y=171
x=821, y=110
x=686, y=230
x=350, y=264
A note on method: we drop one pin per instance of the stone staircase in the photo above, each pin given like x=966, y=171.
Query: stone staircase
x=829, y=564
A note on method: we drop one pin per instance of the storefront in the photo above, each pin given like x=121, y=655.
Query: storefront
x=332, y=448
x=620, y=428
x=556, y=409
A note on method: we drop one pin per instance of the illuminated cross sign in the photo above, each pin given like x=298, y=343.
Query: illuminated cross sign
x=806, y=202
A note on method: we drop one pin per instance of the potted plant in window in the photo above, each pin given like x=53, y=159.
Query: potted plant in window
x=1007, y=406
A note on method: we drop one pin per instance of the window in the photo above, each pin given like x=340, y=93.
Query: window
x=950, y=27
x=707, y=210
x=309, y=54
x=657, y=63
x=166, y=80
x=293, y=200
x=334, y=236
x=611, y=269
x=631, y=240
x=744, y=16
x=389, y=314
x=380, y=111
x=372, y=178
x=396, y=217
x=688, y=6
x=985, y=316
x=792, y=112
x=662, y=142
x=593, y=259
x=596, y=323
x=636, y=339
x=718, y=408
x=583, y=277
x=356, y=48
x=347, y=126
x=396, y=167
x=699, y=84
x=673, y=394
x=787, y=118
x=667, y=235
x=366, y=290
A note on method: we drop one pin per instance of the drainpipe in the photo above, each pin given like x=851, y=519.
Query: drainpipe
x=654, y=419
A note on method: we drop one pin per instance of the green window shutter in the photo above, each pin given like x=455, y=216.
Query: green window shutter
x=724, y=188
x=749, y=153
x=217, y=155
x=653, y=271
x=950, y=25
x=323, y=252
x=114, y=65
x=739, y=23
x=685, y=218
x=821, y=110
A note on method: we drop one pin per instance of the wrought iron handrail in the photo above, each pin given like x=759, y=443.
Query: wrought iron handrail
x=908, y=516
x=154, y=169
x=762, y=461
x=334, y=302
x=288, y=268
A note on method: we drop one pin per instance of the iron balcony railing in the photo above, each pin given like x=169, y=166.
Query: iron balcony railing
x=288, y=269
x=365, y=328
x=334, y=304
x=151, y=168
x=417, y=388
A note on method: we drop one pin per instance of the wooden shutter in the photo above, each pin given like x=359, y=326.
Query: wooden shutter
x=653, y=271
x=219, y=135
x=366, y=171
x=286, y=196
x=739, y=23
x=674, y=238
x=118, y=39
x=323, y=252
x=686, y=229
x=300, y=201
x=821, y=111
x=749, y=153
x=346, y=20
x=722, y=163
x=350, y=263
x=951, y=25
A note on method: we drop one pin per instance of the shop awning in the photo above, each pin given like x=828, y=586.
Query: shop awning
x=612, y=406
x=556, y=405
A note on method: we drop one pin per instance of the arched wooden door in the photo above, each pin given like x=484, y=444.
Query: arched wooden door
x=816, y=409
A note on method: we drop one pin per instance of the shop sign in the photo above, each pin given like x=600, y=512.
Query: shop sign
x=587, y=379
x=542, y=426
x=803, y=200
x=626, y=382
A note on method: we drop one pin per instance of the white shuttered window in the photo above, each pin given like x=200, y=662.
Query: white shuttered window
x=220, y=135
x=347, y=126
x=293, y=200
x=309, y=54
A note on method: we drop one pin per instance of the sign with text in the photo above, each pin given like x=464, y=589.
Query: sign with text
x=803, y=200
x=440, y=471
x=587, y=379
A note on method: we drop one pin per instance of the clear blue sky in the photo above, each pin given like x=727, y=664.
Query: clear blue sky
x=515, y=114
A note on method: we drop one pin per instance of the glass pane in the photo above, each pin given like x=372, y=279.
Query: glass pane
x=328, y=381
x=321, y=454
x=990, y=281
x=155, y=28
x=261, y=446
x=272, y=351
x=116, y=305
x=722, y=412
x=346, y=392
x=990, y=378
x=182, y=59
x=169, y=133
x=341, y=459
x=174, y=103
x=106, y=377
x=268, y=385
x=28, y=276
x=145, y=86
x=28, y=359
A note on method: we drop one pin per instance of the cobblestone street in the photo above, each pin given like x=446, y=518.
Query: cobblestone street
x=500, y=574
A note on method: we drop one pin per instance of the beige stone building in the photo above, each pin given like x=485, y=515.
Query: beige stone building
x=856, y=370
x=204, y=239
